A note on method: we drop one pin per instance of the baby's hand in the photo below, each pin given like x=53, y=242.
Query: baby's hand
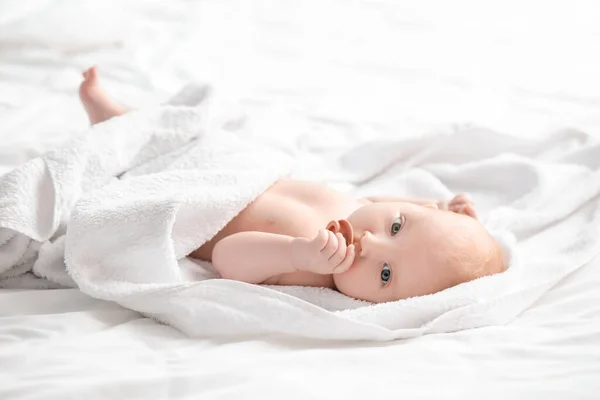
x=326, y=254
x=460, y=204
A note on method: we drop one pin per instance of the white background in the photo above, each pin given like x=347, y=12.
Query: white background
x=351, y=71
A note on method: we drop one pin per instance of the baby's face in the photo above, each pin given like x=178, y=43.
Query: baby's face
x=405, y=250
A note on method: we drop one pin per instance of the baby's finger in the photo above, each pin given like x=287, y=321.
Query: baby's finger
x=320, y=241
x=348, y=260
x=331, y=247
x=340, y=252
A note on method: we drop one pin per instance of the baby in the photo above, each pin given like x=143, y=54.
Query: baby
x=374, y=249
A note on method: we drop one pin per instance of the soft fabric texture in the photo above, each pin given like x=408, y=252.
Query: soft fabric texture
x=136, y=194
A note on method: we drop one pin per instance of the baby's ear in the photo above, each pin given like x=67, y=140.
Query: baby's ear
x=431, y=205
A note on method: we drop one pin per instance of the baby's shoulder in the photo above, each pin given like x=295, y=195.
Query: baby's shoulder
x=313, y=194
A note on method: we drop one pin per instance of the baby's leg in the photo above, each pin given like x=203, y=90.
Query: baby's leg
x=98, y=104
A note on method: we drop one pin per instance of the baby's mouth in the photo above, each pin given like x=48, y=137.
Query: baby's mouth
x=342, y=226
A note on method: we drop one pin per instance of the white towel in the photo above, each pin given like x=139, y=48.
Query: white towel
x=182, y=179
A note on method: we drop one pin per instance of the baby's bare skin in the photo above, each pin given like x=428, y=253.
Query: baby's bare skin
x=298, y=209
x=376, y=249
x=293, y=208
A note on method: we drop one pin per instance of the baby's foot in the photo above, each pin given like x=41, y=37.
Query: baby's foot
x=98, y=105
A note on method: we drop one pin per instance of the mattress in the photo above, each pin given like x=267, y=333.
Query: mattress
x=352, y=72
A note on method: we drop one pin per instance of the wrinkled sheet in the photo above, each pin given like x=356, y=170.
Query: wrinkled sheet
x=352, y=71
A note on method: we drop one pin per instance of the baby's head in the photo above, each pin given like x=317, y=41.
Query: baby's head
x=405, y=250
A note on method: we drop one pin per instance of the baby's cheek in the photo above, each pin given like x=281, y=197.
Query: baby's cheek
x=352, y=282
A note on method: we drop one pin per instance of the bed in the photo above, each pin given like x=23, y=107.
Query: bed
x=354, y=72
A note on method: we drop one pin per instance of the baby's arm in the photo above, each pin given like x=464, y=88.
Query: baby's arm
x=255, y=257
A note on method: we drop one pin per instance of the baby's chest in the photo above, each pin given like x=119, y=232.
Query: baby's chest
x=281, y=214
x=298, y=208
x=292, y=208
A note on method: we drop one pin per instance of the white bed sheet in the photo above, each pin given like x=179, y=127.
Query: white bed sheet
x=356, y=70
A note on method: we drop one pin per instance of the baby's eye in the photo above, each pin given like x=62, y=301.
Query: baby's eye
x=386, y=274
x=396, y=226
